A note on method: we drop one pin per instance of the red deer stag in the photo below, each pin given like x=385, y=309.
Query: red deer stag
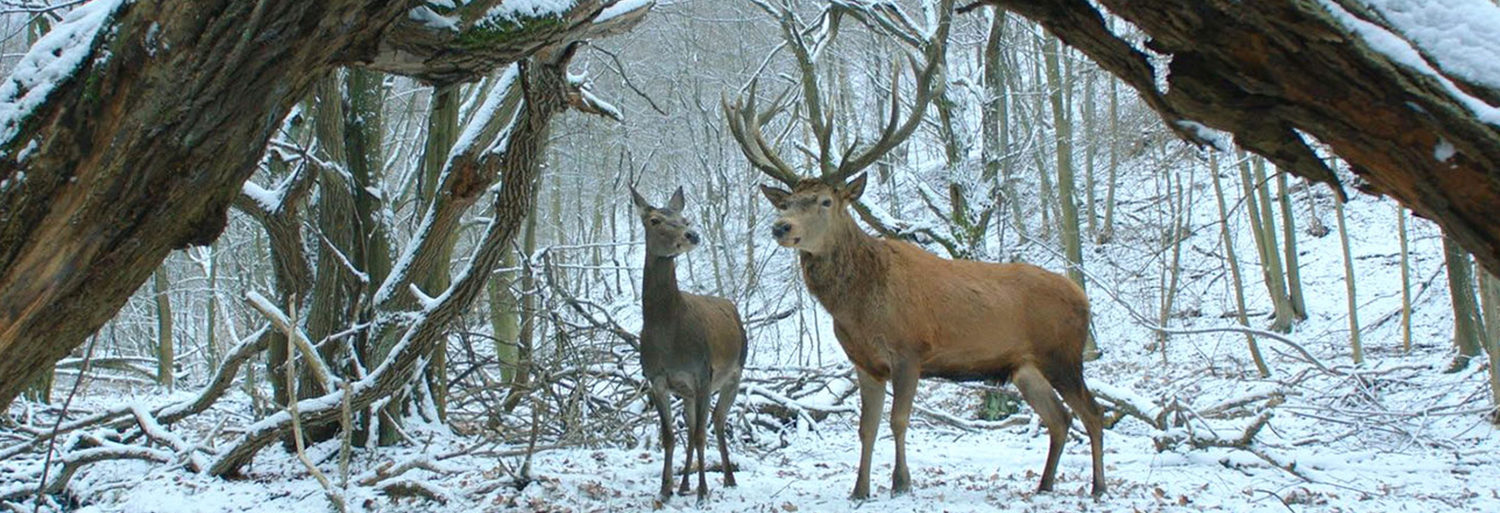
x=691, y=345
x=899, y=312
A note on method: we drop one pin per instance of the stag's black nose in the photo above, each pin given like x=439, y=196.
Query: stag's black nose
x=780, y=228
x=691, y=237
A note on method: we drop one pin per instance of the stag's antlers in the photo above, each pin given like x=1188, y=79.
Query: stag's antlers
x=806, y=43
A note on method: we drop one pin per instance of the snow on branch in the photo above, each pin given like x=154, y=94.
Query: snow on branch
x=51, y=61
x=325, y=376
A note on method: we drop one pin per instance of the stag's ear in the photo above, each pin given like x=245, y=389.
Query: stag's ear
x=676, y=203
x=641, y=206
x=777, y=196
x=855, y=188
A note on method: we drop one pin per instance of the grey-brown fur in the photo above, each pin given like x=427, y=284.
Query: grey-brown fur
x=691, y=345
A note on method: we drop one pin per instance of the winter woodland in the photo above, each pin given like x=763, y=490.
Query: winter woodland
x=428, y=293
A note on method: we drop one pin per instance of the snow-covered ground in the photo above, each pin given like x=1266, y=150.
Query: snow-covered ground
x=1396, y=434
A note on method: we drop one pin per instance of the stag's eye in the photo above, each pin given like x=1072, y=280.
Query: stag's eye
x=655, y=221
x=827, y=202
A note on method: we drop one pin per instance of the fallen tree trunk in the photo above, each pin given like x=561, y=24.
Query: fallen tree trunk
x=1270, y=71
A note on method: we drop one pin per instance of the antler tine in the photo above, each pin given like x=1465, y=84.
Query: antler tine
x=895, y=130
x=745, y=126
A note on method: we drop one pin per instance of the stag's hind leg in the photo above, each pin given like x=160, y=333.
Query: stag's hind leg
x=1083, y=404
x=721, y=410
x=1038, y=393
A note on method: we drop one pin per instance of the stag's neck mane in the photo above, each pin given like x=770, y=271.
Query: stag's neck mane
x=660, y=297
x=851, y=268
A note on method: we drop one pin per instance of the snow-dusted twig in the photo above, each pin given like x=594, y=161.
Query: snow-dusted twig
x=333, y=494
x=326, y=377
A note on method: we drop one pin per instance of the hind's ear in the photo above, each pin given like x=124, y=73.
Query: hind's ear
x=676, y=203
x=641, y=206
x=855, y=188
x=777, y=196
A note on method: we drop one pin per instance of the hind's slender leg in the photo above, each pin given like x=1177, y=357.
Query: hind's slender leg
x=721, y=410
x=1038, y=393
x=689, y=412
x=661, y=398
x=700, y=441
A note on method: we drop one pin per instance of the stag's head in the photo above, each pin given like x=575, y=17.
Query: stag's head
x=668, y=233
x=812, y=210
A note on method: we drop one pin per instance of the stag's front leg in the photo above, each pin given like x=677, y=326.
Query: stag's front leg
x=904, y=389
x=871, y=400
x=662, y=398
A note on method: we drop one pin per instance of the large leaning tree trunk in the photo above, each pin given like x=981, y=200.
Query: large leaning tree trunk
x=1265, y=70
x=161, y=113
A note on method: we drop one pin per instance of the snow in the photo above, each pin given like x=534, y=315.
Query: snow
x=622, y=7
x=498, y=92
x=266, y=199
x=1461, y=37
x=1220, y=140
x=49, y=62
x=1443, y=151
x=1402, y=52
x=431, y=19
x=514, y=10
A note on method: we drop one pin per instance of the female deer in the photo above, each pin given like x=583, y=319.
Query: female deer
x=691, y=345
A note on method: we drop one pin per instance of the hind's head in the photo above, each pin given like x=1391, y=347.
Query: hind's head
x=668, y=232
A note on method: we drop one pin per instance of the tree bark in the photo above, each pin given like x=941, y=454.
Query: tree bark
x=1266, y=70
x=1289, y=248
x=1356, y=348
x=165, y=353
x=1468, y=331
x=142, y=148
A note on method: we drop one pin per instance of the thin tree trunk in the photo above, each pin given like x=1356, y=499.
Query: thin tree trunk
x=1062, y=126
x=1468, y=332
x=1270, y=259
x=1405, y=280
x=212, y=324
x=1489, y=292
x=1090, y=150
x=1071, y=237
x=520, y=384
x=1174, y=272
x=1234, y=269
x=164, y=350
x=1356, y=349
x=1289, y=237
x=1108, y=233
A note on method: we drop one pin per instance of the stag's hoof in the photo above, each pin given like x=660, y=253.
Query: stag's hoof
x=859, y=494
x=1098, y=492
x=729, y=481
